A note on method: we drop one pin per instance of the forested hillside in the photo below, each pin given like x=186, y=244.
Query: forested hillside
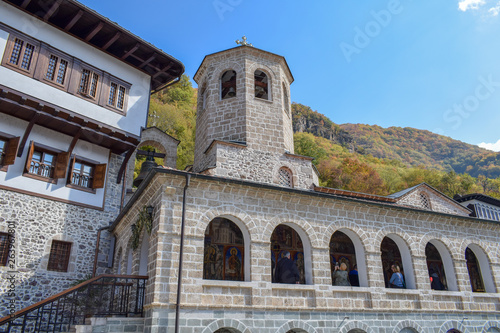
x=360, y=158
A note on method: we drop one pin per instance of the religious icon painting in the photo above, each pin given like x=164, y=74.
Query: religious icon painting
x=233, y=264
x=299, y=261
x=346, y=261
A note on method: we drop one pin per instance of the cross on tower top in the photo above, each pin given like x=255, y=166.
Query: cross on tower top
x=243, y=42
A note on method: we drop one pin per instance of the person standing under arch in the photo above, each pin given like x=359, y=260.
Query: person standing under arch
x=286, y=270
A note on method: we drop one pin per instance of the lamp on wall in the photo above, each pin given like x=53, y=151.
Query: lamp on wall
x=150, y=210
x=343, y=321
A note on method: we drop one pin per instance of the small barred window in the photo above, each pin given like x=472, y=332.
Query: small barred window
x=425, y=202
x=285, y=177
x=5, y=241
x=59, y=256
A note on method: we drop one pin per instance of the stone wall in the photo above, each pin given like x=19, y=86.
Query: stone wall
x=240, y=162
x=436, y=202
x=257, y=321
x=263, y=125
x=263, y=306
x=37, y=222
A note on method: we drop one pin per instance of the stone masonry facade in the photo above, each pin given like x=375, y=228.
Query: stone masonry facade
x=37, y=221
x=258, y=305
x=260, y=124
x=241, y=162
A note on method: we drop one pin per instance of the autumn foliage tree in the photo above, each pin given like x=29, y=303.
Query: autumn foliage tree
x=351, y=175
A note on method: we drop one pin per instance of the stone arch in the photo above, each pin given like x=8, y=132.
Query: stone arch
x=465, y=244
x=356, y=234
x=484, y=265
x=355, y=326
x=244, y=221
x=238, y=217
x=453, y=324
x=409, y=326
x=266, y=85
x=307, y=229
x=162, y=142
x=384, y=232
x=271, y=76
x=225, y=236
x=446, y=257
x=296, y=326
x=285, y=164
x=491, y=327
x=233, y=326
x=402, y=240
x=306, y=248
x=269, y=71
x=217, y=76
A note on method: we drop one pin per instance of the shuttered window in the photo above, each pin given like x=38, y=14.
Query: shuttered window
x=85, y=174
x=45, y=164
x=8, y=152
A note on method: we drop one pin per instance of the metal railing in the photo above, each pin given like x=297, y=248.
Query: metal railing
x=102, y=296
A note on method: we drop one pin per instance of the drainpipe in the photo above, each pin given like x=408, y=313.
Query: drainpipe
x=124, y=188
x=97, y=248
x=181, y=251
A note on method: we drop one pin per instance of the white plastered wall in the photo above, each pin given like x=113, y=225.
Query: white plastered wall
x=138, y=94
x=14, y=178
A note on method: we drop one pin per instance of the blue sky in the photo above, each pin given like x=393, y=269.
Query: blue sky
x=431, y=65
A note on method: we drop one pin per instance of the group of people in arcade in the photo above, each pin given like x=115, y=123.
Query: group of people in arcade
x=286, y=271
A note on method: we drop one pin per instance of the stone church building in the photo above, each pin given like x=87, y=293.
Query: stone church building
x=205, y=241
x=249, y=198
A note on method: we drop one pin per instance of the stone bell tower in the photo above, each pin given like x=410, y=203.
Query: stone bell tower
x=244, y=121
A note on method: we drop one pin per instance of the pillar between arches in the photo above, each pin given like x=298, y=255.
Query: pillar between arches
x=463, y=280
x=322, y=273
x=375, y=271
x=421, y=273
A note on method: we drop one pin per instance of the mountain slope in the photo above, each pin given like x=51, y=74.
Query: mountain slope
x=411, y=146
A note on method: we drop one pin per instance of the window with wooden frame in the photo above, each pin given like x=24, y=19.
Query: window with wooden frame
x=228, y=85
x=21, y=54
x=5, y=240
x=86, y=81
x=115, y=94
x=8, y=151
x=89, y=82
x=54, y=67
x=261, y=85
x=59, y=256
x=45, y=163
x=86, y=175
